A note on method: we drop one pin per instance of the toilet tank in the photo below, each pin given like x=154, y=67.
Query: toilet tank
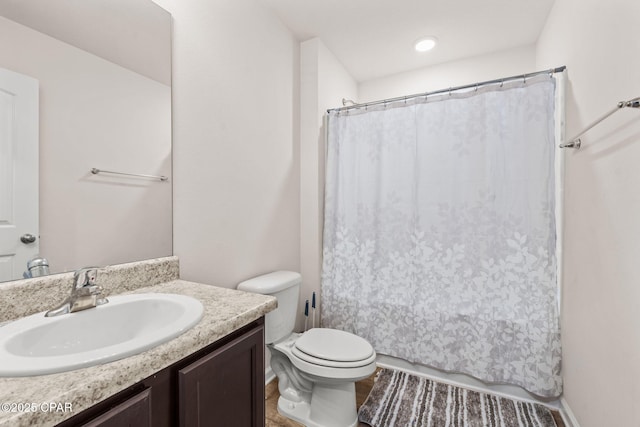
x=285, y=286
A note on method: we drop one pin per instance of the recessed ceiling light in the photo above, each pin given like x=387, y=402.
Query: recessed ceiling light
x=425, y=44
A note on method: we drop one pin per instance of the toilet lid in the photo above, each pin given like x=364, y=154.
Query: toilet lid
x=334, y=345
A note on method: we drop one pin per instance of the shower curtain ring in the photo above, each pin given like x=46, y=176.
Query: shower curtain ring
x=450, y=91
x=524, y=78
x=501, y=82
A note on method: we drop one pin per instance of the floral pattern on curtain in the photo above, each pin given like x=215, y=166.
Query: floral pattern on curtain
x=440, y=234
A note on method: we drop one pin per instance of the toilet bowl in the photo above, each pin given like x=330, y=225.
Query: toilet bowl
x=317, y=369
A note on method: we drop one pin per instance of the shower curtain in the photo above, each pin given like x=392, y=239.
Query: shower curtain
x=440, y=235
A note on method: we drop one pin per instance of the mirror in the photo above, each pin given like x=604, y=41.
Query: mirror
x=103, y=71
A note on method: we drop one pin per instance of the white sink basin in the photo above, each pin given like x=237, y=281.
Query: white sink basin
x=126, y=325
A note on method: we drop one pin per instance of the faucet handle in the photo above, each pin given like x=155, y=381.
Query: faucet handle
x=85, y=277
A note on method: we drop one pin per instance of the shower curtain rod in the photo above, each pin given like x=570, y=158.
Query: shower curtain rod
x=451, y=89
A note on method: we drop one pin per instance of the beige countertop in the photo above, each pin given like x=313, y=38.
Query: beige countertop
x=225, y=310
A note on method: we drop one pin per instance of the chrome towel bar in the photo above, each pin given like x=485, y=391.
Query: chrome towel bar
x=96, y=171
x=575, y=141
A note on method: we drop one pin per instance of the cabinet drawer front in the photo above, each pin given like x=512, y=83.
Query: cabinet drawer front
x=225, y=388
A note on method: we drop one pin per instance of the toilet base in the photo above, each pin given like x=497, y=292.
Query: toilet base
x=331, y=405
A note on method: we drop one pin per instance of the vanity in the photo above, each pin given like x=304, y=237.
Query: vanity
x=212, y=374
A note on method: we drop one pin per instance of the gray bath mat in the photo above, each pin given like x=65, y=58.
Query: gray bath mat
x=404, y=400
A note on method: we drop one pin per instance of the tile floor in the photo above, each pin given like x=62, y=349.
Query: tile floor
x=274, y=419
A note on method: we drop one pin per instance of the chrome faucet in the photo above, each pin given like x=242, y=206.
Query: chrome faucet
x=85, y=293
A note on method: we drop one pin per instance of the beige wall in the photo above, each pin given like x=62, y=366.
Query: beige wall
x=94, y=113
x=323, y=84
x=235, y=141
x=599, y=43
x=456, y=73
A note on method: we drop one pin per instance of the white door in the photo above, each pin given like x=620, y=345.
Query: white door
x=18, y=173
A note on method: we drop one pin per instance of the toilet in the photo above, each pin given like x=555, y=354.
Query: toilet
x=317, y=369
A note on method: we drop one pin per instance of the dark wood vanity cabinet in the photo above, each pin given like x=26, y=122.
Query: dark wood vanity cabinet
x=220, y=385
x=135, y=411
x=224, y=387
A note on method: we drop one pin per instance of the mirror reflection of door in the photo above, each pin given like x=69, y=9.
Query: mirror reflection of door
x=18, y=173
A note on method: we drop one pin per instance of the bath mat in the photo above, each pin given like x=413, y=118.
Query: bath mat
x=403, y=400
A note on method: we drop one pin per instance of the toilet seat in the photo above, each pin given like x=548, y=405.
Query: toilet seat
x=331, y=363
x=324, y=368
x=333, y=348
x=332, y=344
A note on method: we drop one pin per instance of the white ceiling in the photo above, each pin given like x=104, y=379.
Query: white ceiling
x=374, y=38
x=134, y=34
